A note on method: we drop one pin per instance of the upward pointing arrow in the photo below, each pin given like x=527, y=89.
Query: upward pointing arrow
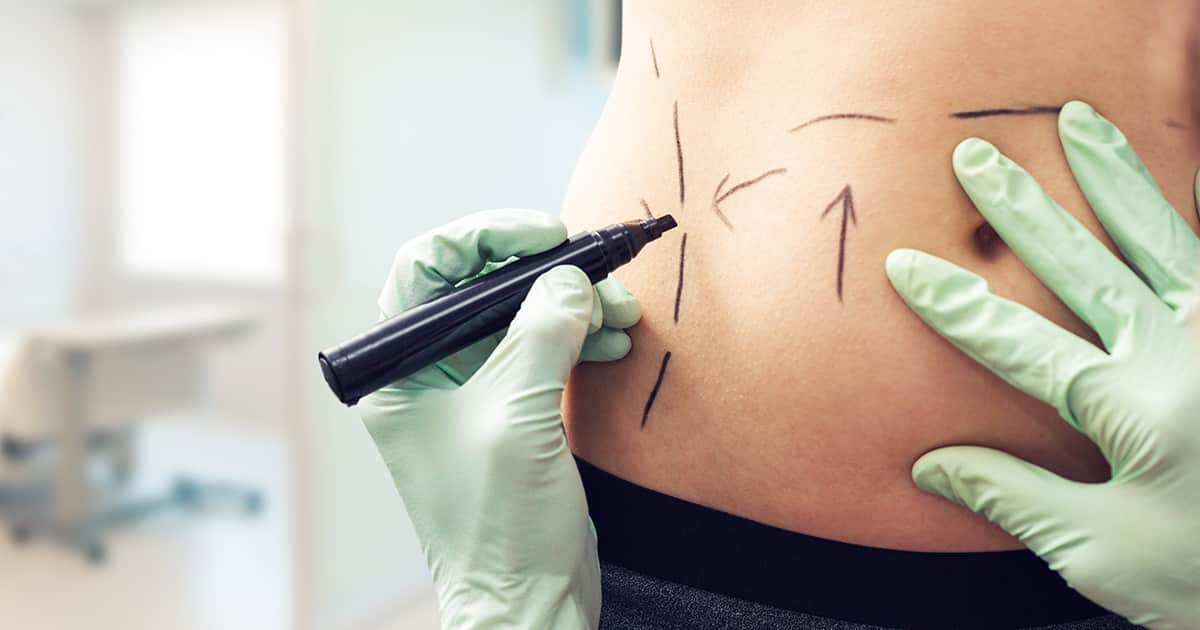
x=846, y=197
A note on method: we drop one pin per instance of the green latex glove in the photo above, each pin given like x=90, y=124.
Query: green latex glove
x=475, y=443
x=1131, y=544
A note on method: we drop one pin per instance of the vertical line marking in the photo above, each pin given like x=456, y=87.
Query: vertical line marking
x=679, y=286
x=679, y=158
x=662, y=369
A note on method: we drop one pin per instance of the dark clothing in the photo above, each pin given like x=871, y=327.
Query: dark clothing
x=668, y=563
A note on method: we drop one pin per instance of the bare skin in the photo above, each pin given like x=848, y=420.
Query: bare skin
x=781, y=403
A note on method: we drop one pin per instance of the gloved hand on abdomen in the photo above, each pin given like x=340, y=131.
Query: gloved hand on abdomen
x=1131, y=544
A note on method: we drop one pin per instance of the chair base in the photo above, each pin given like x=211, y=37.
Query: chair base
x=32, y=509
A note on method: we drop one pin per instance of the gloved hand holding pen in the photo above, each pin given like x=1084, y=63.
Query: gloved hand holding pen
x=1131, y=544
x=475, y=443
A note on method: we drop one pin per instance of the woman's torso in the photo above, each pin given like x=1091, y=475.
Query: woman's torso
x=784, y=401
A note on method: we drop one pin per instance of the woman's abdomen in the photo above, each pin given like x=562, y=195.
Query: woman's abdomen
x=775, y=373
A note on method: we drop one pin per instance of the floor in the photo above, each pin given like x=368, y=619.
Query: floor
x=421, y=613
x=219, y=569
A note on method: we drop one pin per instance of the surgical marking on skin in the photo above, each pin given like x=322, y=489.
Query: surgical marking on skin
x=716, y=208
x=1175, y=124
x=718, y=197
x=654, y=56
x=846, y=197
x=654, y=391
x=1008, y=111
x=679, y=286
x=646, y=207
x=866, y=117
x=679, y=157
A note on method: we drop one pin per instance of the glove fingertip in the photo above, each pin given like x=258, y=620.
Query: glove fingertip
x=929, y=473
x=621, y=308
x=899, y=264
x=606, y=344
x=1072, y=112
x=973, y=155
x=622, y=314
x=914, y=274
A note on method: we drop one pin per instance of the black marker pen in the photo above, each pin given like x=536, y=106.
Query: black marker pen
x=420, y=336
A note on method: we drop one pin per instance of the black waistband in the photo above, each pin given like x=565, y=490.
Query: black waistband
x=668, y=538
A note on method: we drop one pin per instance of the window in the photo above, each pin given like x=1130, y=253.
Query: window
x=200, y=138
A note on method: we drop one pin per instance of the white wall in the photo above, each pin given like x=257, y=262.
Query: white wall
x=41, y=175
x=58, y=225
x=415, y=112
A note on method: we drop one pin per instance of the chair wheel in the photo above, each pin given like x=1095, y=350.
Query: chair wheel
x=253, y=503
x=95, y=552
x=21, y=534
x=186, y=491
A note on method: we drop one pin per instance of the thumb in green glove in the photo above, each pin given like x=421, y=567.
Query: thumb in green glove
x=1131, y=544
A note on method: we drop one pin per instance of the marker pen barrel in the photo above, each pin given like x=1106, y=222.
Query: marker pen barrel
x=425, y=334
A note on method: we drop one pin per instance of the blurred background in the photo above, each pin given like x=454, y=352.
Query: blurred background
x=197, y=196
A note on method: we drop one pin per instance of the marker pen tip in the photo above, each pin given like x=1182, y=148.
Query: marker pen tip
x=655, y=227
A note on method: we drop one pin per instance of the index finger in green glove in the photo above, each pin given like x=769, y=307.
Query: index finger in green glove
x=1149, y=232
